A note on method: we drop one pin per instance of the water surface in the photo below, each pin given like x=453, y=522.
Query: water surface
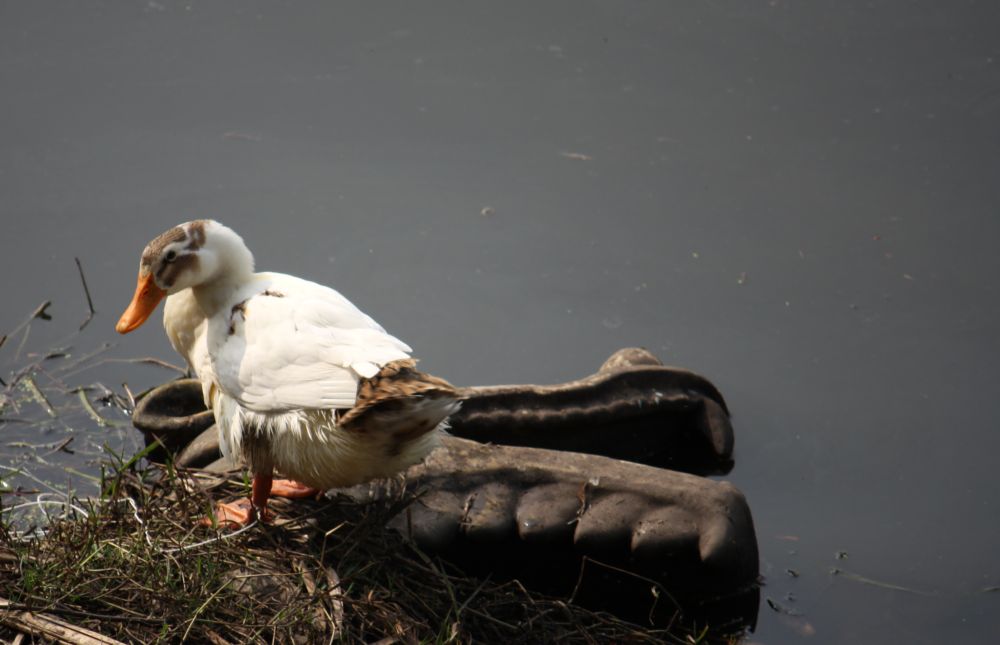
x=797, y=200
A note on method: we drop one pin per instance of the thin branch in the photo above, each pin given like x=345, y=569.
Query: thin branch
x=24, y=340
x=131, y=398
x=51, y=628
x=36, y=393
x=86, y=291
x=17, y=606
x=85, y=402
x=147, y=360
x=40, y=311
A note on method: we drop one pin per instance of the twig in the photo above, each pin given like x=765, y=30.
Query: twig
x=86, y=291
x=63, y=446
x=29, y=384
x=101, y=421
x=653, y=583
x=781, y=609
x=200, y=609
x=20, y=346
x=54, y=445
x=83, y=359
x=24, y=473
x=496, y=621
x=65, y=611
x=878, y=583
x=336, y=593
x=131, y=397
x=39, y=312
x=471, y=596
x=40, y=502
x=147, y=360
x=74, y=471
x=49, y=627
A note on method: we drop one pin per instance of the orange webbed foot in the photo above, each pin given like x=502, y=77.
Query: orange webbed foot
x=292, y=489
x=243, y=511
x=233, y=514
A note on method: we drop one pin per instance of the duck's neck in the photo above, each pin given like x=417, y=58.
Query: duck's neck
x=229, y=267
x=214, y=296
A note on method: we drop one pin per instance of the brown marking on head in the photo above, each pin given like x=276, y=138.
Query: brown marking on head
x=169, y=271
x=273, y=294
x=197, y=230
x=155, y=248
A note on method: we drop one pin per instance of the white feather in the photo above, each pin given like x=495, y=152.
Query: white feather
x=280, y=354
x=303, y=347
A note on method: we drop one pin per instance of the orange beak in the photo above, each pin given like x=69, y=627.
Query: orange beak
x=147, y=296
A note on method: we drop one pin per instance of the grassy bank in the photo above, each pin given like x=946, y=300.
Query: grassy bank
x=137, y=566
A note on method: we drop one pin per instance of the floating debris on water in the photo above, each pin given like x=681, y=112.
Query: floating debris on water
x=28, y=382
x=782, y=609
x=878, y=583
x=82, y=395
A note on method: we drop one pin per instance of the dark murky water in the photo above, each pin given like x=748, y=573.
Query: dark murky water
x=798, y=200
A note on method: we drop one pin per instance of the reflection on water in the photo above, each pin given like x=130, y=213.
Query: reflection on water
x=797, y=201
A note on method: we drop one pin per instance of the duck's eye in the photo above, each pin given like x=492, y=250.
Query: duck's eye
x=170, y=256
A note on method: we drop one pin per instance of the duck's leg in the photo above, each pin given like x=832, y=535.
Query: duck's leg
x=260, y=490
x=243, y=511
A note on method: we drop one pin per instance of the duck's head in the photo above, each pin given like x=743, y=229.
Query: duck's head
x=189, y=255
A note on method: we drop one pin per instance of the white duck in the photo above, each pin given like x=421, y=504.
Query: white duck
x=298, y=377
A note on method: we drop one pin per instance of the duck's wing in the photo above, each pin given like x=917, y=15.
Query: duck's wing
x=298, y=348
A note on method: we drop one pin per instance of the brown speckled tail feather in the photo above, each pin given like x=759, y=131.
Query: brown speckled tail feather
x=391, y=391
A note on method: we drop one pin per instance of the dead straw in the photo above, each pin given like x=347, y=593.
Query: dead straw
x=139, y=556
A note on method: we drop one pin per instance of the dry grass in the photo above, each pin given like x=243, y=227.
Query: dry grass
x=137, y=567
